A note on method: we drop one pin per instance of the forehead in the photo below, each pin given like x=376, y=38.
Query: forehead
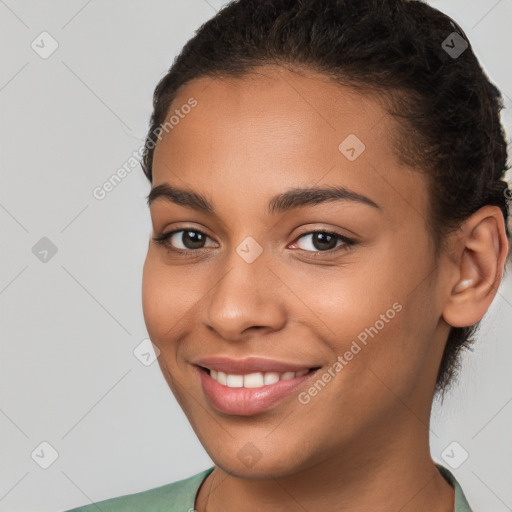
x=279, y=109
x=274, y=129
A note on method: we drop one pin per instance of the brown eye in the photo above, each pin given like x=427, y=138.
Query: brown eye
x=190, y=239
x=183, y=240
x=323, y=241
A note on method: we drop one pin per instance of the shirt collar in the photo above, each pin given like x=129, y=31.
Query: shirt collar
x=461, y=503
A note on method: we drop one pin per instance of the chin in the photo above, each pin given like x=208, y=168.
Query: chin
x=247, y=460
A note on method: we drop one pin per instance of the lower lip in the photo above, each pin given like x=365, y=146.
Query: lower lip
x=248, y=401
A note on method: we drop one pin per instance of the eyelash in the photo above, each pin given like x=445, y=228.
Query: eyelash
x=164, y=238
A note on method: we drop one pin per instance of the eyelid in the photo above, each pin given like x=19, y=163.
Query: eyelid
x=347, y=242
x=164, y=239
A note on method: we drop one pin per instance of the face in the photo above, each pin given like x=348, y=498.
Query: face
x=267, y=281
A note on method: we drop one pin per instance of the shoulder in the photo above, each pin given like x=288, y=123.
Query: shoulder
x=177, y=496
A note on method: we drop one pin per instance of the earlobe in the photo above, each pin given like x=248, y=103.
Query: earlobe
x=479, y=268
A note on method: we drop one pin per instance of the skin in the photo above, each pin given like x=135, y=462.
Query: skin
x=362, y=442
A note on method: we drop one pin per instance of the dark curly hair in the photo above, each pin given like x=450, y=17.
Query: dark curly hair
x=448, y=110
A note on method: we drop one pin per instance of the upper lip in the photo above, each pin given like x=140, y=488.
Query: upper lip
x=250, y=365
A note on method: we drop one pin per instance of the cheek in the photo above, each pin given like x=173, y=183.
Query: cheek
x=378, y=314
x=165, y=308
x=152, y=287
x=164, y=303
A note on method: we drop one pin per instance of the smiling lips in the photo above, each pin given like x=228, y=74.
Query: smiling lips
x=249, y=386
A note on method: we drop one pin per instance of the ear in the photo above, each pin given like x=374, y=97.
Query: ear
x=481, y=249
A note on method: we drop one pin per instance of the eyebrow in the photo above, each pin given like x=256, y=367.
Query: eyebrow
x=289, y=200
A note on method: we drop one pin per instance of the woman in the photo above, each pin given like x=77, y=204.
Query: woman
x=329, y=227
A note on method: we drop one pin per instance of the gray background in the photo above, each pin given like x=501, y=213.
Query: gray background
x=69, y=324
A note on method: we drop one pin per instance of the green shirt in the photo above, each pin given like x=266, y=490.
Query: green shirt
x=180, y=497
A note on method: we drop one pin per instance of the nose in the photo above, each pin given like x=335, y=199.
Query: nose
x=245, y=298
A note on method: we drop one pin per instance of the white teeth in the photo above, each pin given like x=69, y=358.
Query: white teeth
x=253, y=380
x=271, y=378
x=235, y=381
